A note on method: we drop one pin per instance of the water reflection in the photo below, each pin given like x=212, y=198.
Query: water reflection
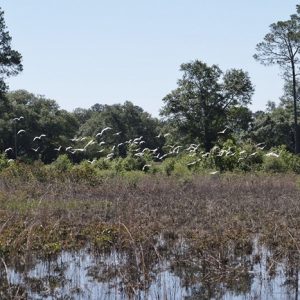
x=162, y=272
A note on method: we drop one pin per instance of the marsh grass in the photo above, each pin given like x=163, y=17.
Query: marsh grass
x=204, y=226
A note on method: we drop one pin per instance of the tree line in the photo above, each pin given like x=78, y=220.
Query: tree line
x=208, y=107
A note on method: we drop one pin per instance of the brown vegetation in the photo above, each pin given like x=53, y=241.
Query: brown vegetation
x=209, y=225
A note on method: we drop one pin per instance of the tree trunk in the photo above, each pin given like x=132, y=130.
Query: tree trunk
x=296, y=127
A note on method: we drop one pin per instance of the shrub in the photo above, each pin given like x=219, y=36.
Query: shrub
x=3, y=162
x=62, y=163
x=275, y=165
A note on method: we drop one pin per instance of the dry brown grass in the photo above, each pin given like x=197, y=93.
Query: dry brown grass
x=206, y=224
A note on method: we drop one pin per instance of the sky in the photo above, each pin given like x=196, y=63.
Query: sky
x=84, y=52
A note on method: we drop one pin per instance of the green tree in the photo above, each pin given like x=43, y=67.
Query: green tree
x=274, y=126
x=281, y=46
x=127, y=119
x=10, y=60
x=40, y=116
x=199, y=106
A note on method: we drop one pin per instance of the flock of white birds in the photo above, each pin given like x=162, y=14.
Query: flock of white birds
x=192, y=149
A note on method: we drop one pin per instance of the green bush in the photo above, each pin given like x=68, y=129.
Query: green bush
x=85, y=171
x=274, y=165
x=3, y=162
x=168, y=166
x=62, y=163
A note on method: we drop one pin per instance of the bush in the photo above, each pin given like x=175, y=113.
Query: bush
x=62, y=163
x=168, y=166
x=3, y=162
x=85, y=171
x=274, y=165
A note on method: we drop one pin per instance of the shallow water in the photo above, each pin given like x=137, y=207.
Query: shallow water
x=114, y=275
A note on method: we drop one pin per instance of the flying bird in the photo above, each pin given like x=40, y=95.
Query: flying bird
x=35, y=149
x=137, y=139
x=223, y=131
x=117, y=133
x=18, y=119
x=103, y=130
x=39, y=137
x=145, y=166
x=214, y=172
x=91, y=142
x=8, y=149
x=92, y=161
x=272, y=154
x=21, y=131
x=259, y=144
x=57, y=149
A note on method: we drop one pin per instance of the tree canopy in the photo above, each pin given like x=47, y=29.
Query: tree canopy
x=10, y=60
x=200, y=104
x=281, y=46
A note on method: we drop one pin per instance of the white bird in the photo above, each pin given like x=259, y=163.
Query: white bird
x=18, y=119
x=57, y=149
x=272, y=154
x=261, y=148
x=140, y=154
x=193, y=162
x=8, y=149
x=92, y=161
x=137, y=139
x=167, y=134
x=120, y=144
x=10, y=160
x=103, y=130
x=259, y=144
x=69, y=148
x=83, y=138
x=223, y=131
x=35, y=149
x=101, y=143
x=214, y=172
x=79, y=150
x=253, y=154
x=21, y=131
x=75, y=139
x=153, y=150
x=117, y=133
x=39, y=137
x=242, y=152
x=145, y=166
x=163, y=156
x=113, y=147
x=91, y=142
x=110, y=155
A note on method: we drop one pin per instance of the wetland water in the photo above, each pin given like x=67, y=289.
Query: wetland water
x=178, y=275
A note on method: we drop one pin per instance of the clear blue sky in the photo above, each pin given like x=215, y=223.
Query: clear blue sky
x=85, y=52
